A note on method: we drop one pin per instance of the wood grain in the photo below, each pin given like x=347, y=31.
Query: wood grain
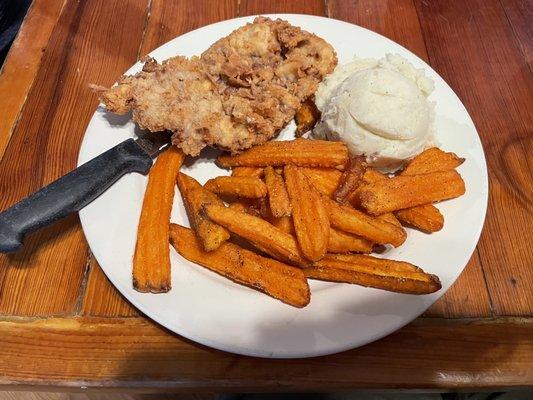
x=520, y=14
x=495, y=85
x=134, y=353
x=22, y=62
x=167, y=20
x=398, y=21
x=170, y=19
x=93, y=42
x=483, y=49
x=102, y=299
x=255, y=7
x=468, y=296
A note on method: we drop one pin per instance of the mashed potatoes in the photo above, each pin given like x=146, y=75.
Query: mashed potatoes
x=379, y=108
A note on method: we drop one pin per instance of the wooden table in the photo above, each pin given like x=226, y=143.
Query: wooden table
x=63, y=325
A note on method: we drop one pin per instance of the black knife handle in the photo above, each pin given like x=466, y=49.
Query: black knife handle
x=70, y=193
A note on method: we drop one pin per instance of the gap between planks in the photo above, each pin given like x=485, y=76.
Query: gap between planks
x=20, y=67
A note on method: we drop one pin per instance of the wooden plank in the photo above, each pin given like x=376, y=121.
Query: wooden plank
x=396, y=20
x=467, y=298
x=166, y=21
x=399, y=21
x=102, y=299
x=495, y=85
x=253, y=7
x=169, y=19
x=520, y=14
x=22, y=62
x=135, y=354
x=93, y=42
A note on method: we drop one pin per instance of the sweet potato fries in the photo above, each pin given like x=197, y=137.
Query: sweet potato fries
x=151, y=261
x=310, y=212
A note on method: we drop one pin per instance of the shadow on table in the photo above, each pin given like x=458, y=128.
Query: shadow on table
x=427, y=354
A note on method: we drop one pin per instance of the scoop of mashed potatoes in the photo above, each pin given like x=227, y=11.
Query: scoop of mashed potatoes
x=379, y=108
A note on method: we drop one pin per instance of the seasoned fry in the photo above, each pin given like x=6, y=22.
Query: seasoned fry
x=240, y=186
x=403, y=192
x=354, y=221
x=344, y=242
x=151, y=261
x=260, y=233
x=432, y=160
x=256, y=172
x=427, y=218
x=324, y=180
x=284, y=223
x=250, y=206
x=309, y=214
x=238, y=206
x=350, y=179
x=390, y=218
x=278, y=197
x=394, y=276
x=301, y=152
x=271, y=277
x=195, y=197
x=371, y=261
x=306, y=117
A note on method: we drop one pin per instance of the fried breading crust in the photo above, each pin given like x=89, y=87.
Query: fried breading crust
x=238, y=93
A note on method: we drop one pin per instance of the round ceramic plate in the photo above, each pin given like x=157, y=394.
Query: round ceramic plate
x=216, y=312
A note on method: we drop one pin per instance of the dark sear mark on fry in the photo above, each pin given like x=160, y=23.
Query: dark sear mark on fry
x=350, y=179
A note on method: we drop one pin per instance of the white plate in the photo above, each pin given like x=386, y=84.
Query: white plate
x=211, y=310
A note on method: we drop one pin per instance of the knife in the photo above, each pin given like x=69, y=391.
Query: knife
x=78, y=188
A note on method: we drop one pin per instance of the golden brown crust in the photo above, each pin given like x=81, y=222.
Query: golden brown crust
x=241, y=186
x=309, y=214
x=394, y=276
x=300, y=152
x=278, y=198
x=276, y=279
x=195, y=197
x=409, y=191
x=151, y=260
x=237, y=94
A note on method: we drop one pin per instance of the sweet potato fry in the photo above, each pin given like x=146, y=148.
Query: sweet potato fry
x=344, y=242
x=302, y=152
x=281, y=281
x=409, y=191
x=432, y=160
x=394, y=276
x=278, y=198
x=238, y=206
x=373, y=229
x=250, y=206
x=256, y=172
x=309, y=214
x=350, y=179
x=323, y=179
x=283, y=223
x=240, y=186
x=263, y=235
x=427, y=218
x=151, y=261
x=370, y=176
x=195, y=197
x=390, y=218
x=306, y=117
